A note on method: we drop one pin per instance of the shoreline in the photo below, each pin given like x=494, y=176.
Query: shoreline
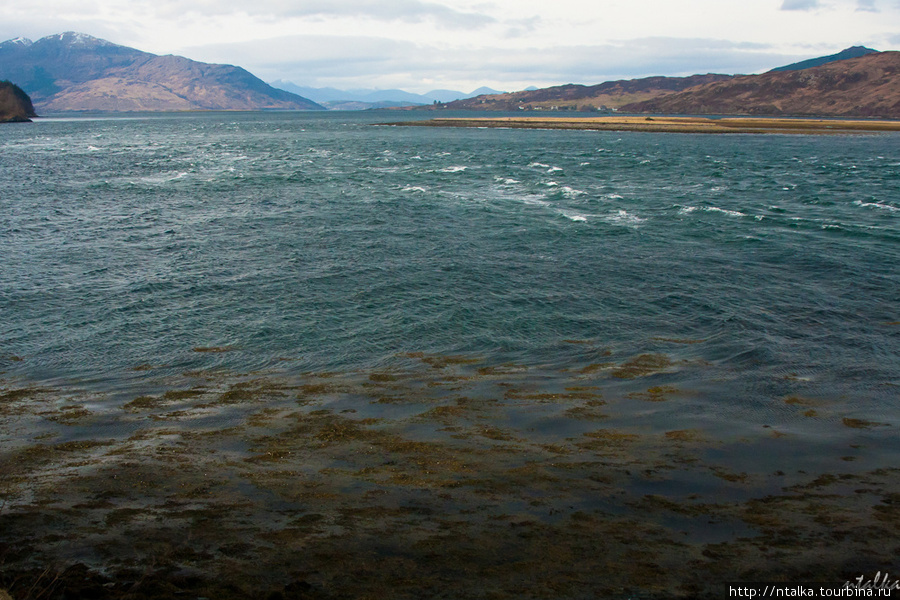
x=656, y=124
x=394, y=482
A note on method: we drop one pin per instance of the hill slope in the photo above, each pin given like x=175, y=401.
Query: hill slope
x=15, y=105
x=611, y=94
x=868, y=86
x=77, y=72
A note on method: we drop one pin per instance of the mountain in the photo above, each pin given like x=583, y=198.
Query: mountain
x=611, y=94
x=853, y=52
x=375, y=98
x=868, y=86
x=15, y=105
x=77, y=72
x=354, y=105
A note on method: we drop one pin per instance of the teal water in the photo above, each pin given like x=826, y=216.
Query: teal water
x=761, y=266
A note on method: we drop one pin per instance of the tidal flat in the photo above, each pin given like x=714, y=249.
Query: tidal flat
x=439, y=477
x=664, y=124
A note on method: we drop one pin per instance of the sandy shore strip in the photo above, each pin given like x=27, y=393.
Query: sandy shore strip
x=669, y=124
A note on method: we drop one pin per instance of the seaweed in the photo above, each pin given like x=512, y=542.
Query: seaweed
x=641, y=366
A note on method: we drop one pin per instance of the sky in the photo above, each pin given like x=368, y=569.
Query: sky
x=508, y=45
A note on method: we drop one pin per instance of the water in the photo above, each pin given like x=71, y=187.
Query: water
x=339, y=244
x=273, y=314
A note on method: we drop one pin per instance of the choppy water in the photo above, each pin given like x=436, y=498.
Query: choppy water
x=761, y=266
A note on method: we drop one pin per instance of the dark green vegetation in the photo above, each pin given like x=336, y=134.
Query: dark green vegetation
x=77, y=72
x=15, y=105
x=853, y=52
x=440, y=477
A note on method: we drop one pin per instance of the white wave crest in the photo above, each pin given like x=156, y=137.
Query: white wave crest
x=573, y=216
x=730, y=213
x=163, y=178
x=623, y=217
x=570, y=192
x=876, y=205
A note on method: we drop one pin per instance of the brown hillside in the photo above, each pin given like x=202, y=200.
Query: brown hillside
x=868, y=86
x=611, y=94
x=169, y=83
x=77, y=72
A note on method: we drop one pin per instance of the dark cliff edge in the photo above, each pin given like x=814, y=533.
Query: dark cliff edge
x=15, y=105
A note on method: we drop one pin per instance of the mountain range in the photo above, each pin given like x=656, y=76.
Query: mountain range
x=867, y=86
x=334, y=98
x=857, y=82
x=609, y=95
x=77, y=72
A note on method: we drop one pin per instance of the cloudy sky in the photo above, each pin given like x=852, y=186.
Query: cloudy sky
x=420, y=45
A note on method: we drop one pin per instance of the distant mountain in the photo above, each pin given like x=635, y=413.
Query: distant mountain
x=354, y=105
x=15, y=105
x=853, y=52
x=77, y=72
x=868, y=86
x=609, y=95
x=375, y=98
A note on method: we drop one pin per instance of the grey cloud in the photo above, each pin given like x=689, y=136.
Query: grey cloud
x=866, y=5
x=799, y=4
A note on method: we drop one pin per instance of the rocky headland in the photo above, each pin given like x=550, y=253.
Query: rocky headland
x=15, y=105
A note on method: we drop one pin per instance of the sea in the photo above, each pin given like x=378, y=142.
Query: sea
x=746, y=287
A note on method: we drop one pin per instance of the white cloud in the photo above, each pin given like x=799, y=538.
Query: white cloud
x=414, y=11
x=342, y=61
x=469, y=43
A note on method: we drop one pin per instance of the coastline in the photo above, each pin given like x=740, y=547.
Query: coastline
x=657, y=124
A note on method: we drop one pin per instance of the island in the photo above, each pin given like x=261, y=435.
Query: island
x=669, y=124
